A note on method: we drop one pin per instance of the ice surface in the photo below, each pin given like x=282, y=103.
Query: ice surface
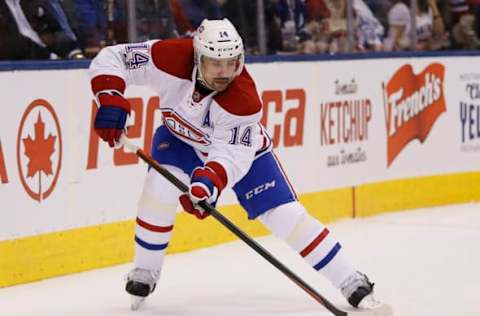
x=424, y=262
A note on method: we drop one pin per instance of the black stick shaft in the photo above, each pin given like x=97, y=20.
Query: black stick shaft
x=247, y=239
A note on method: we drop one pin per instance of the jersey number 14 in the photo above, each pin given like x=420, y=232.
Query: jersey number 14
x=245, y=139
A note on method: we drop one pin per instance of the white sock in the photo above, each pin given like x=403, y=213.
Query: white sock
x=155, y=219
x=311, y=239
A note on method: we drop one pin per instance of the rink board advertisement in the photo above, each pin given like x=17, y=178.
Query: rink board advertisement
x=337, y=126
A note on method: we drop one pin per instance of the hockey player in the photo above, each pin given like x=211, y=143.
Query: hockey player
x=211, y=137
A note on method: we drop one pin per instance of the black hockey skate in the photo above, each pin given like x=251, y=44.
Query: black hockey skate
x=138, y=288
x=358, y=290
x=140, y=283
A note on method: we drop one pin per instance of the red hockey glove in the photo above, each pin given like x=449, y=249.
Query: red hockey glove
x=113, y=107
x=206, y=184
x=111, y=116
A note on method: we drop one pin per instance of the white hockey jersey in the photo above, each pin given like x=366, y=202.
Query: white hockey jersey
x=222, y=127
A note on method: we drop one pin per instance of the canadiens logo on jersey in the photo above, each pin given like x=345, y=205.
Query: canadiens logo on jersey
x=196, y=96
x=182, y=128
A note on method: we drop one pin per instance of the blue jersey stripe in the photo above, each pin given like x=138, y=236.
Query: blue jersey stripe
x=148, y=246
x=328, y=257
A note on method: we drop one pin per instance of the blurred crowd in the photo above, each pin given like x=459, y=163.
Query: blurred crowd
x=73, y=29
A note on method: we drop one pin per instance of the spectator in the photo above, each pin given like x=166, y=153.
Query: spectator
x=89, y=21
x=36, y=30
x=155, y=20
x=319, y=42
x=368, y=30
x=429, y=23
x=463, y=35
x=197, y=10
x=117, y=23
x=243, y=14
x=316, y=10
x=273, y=29
x=380, y=9
x=18, y=40
x=291, y=15
x=399, y=22
x=48, y=19
x=318, y=13
x=430, y=27
x=328, y=27
x=184, y=27
x=335, y=26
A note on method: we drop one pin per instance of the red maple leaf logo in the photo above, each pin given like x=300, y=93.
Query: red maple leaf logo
x=39, y=149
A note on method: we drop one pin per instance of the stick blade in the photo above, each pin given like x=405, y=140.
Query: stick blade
x=382, y=310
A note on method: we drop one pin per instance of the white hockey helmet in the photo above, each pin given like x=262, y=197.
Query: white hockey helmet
x=218, y=39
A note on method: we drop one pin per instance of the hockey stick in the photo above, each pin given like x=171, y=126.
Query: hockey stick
x=247, y=239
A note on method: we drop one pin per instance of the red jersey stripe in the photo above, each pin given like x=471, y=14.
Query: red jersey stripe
x=315, y=242
x=107, y=82
x=153, y=228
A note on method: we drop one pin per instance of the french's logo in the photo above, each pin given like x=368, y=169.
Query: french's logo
x=412, y=105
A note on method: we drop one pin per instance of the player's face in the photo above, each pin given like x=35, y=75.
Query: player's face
x=218, y=73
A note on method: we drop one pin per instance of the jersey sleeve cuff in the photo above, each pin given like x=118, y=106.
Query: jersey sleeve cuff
x=108, y=82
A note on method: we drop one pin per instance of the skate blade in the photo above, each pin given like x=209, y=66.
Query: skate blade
x=136, y=302
x=382, y=310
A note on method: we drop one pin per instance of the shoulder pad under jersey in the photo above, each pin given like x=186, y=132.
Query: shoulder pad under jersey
x=174, y=56
x=241, y=97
